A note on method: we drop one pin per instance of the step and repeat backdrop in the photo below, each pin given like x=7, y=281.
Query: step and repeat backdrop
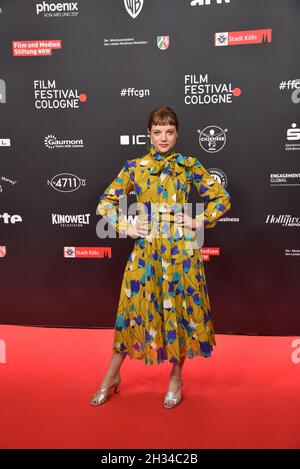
x=77, y=83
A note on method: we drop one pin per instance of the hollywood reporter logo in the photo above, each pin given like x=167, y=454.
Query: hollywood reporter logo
x=66, y=182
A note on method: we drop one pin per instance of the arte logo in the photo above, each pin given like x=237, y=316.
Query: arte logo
x=12, y=219
x=35, y=48
x=2, y=251
x=87, y=252
x=238, y=38
x=66, y=182
x=48, y=96
x=219, y=176
x=163, y=42
x=52, y=142
x=2, y=91
x=212, y=138
x=134, y=7
x=57, y=9
x=200, y=3
x=133, y=139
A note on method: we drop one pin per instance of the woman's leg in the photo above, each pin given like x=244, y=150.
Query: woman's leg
x=113, y=368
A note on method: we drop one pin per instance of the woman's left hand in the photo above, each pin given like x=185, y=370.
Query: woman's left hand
x=183, y=219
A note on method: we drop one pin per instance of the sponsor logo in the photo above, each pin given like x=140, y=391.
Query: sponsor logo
x=52, y=142
x=285, y=179
x=134, y=139
x=293, y=135
x=133, y=7
x=35, y=48
x=87, y=252
x=7, y=181
x=2, y=91
x=238, y=38
x=219, y=176
x=128, y=41
x=10, y=219
x=212, y=139
x=48, y=96
x=2, y=251
x=292, y=252
x=200, y=3
x=163, y=42
x=198, y=90
x=66, y=182
x=4, y=142
x=57, y=9
x=67, y=221
x=207, y=252
x=284, y=220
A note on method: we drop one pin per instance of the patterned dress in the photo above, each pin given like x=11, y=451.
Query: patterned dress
x=164, y=309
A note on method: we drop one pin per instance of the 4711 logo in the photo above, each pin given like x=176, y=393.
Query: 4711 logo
x=66, y=182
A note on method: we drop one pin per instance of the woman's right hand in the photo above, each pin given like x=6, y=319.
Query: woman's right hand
x=138, y=230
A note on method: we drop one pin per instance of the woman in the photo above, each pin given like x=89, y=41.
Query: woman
x=164, y=309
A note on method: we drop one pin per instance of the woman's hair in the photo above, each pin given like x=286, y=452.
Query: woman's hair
x=163, y=116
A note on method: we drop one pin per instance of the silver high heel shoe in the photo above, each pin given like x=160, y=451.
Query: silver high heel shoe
x=102, y=395
x=170, y=397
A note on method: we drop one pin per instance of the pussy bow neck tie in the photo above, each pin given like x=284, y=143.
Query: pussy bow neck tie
x=171, y=163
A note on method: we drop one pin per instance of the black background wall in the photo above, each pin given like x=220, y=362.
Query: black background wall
x=253, y=283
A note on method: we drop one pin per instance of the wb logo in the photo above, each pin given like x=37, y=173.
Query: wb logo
x=134, y=7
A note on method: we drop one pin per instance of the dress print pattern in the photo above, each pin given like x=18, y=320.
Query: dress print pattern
x=164, y=310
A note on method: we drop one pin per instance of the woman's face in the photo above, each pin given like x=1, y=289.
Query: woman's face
x=163, y=137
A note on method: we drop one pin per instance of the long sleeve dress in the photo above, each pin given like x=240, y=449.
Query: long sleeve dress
x=164, y=310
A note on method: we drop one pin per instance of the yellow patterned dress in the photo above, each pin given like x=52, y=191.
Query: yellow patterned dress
x=164, y=309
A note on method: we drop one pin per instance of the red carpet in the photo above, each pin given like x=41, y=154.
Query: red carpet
x=245, y=396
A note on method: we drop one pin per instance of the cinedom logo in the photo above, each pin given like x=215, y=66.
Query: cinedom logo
x=10, y=219
x=48, y=96
x=212, y=138
x=52, y=142
x=201, y=3
x=56, y=10
x=133, y=7
x=2, y=91
x=66, y=182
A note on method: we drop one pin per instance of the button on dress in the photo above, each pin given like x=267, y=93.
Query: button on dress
x=164, y=311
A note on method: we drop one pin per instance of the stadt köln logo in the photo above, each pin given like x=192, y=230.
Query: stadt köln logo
x=163, y=42
x=134, y=7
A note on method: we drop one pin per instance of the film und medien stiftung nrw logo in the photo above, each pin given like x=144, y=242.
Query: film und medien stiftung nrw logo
x=133, y=7
x=212, y=138
x=52, y=142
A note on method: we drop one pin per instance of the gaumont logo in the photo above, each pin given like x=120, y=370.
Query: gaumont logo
x=2, y=91
x=83, y=252
x=200, y=3
x=67, y=221
x=133, y=7
x=133, y=139
x=212, y=138
x=52, y=142
x=2, y=251
x=163, y=42
x=209, y=251
x=284, y=220
x=238, y=38
x=48, y=96
x=57, y=9
x=35, y=48
x=66, y=182
x=219, y=176
x=198, y=90
x=10, y=219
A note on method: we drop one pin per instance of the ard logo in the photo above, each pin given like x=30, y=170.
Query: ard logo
x=134, y=7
